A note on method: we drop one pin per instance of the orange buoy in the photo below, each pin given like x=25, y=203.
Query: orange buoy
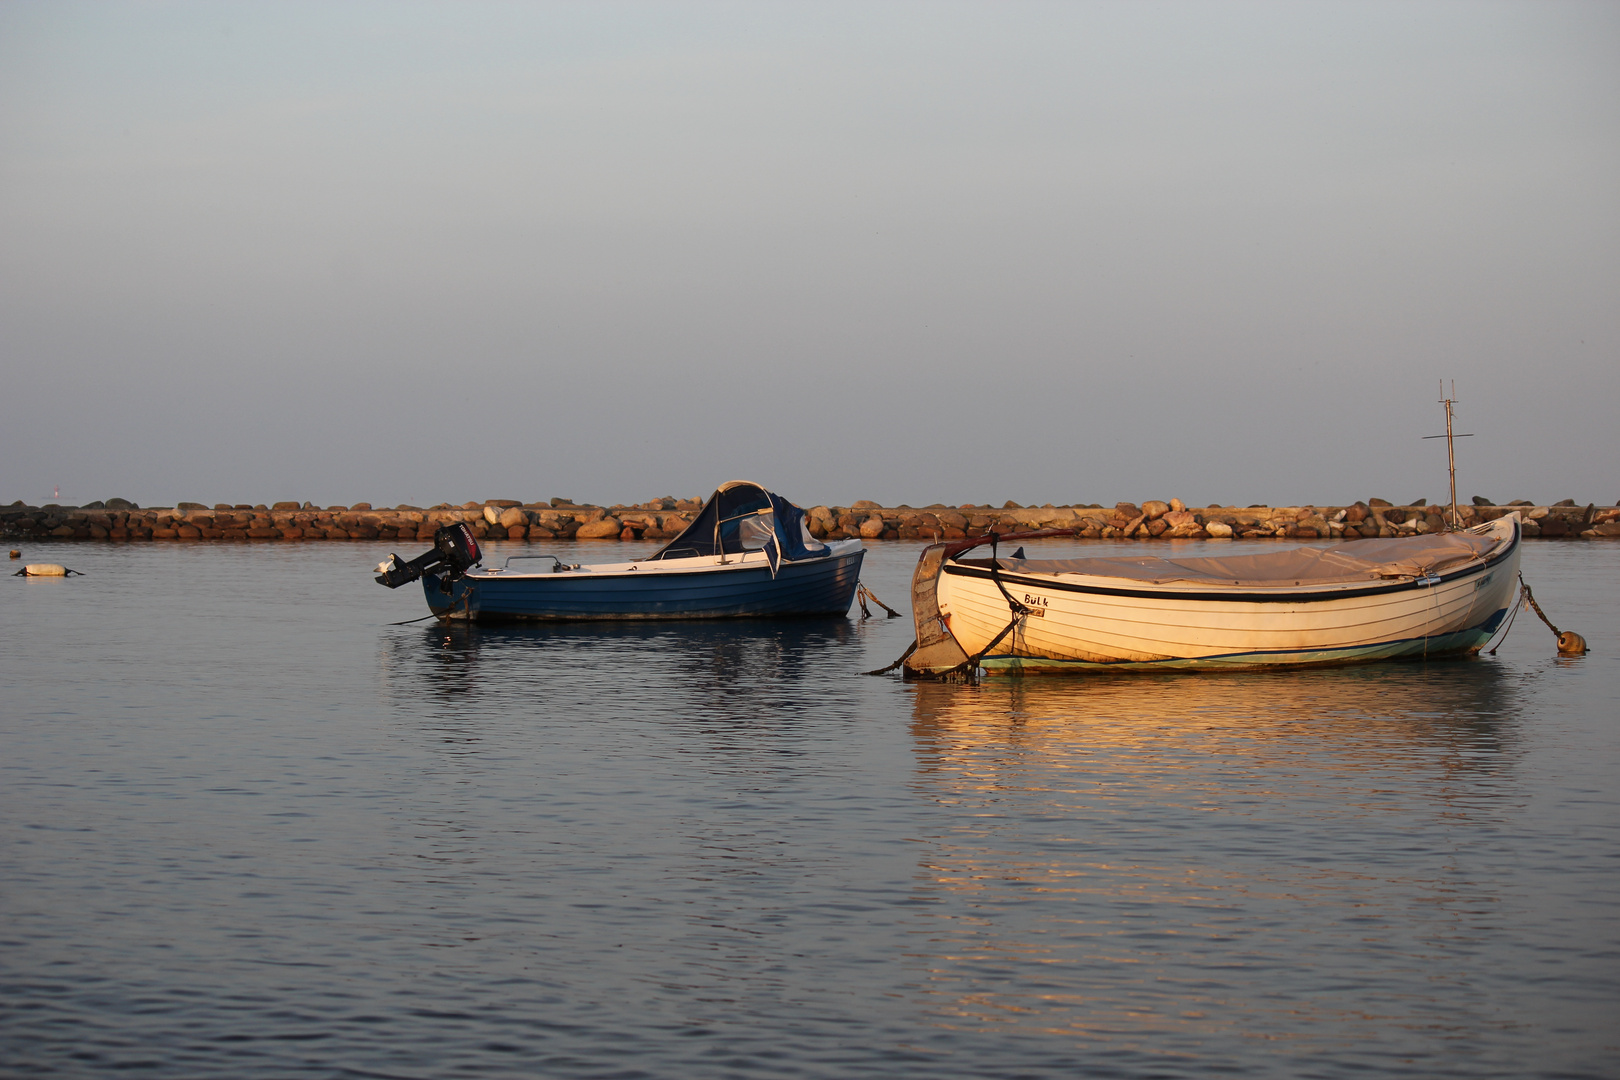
x=1571, y=644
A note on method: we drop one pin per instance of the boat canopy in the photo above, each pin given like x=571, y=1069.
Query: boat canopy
x=1364, y=560
x=741, y=516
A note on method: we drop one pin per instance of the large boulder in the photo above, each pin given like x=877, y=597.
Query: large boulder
x=1183, y=523
x=513, y=516
x=608, y=528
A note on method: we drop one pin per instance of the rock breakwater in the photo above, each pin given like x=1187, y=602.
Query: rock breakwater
x=118, y=520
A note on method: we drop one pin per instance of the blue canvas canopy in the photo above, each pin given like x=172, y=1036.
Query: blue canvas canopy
x=741, y=516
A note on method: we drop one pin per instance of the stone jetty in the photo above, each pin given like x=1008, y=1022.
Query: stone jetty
x=118, y=520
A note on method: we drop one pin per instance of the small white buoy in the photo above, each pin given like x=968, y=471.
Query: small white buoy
x=45, y=569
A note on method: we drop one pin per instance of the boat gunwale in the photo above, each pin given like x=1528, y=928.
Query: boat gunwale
x=658, y=567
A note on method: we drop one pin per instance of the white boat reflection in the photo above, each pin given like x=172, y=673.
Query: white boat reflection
x=1409, y=712
x=1181, y=846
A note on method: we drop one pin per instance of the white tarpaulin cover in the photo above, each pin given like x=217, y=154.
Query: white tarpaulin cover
x=1364, y=560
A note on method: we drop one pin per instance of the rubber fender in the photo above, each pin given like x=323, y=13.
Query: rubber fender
x=45, y=569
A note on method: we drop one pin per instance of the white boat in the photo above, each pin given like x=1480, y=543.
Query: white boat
x=1443, y=594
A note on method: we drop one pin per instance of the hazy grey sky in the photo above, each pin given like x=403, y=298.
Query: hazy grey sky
x=954, y=252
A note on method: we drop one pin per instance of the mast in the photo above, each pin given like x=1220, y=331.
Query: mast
x=1451, y=452
x=1451, y=458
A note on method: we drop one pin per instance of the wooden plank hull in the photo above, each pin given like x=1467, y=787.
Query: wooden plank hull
x=1081, y=622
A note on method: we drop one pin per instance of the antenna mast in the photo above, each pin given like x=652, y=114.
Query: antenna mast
x=1451, y=453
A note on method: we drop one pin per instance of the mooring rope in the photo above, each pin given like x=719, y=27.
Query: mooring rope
x=1018, y=609
x=970, y=666
x=1518, y=604
x=863, y=594
x=466, y=601
x=1530, y=598
x=903, y=656
x=1569, y=642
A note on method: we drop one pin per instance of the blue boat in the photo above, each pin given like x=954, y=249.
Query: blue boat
x=748, y=554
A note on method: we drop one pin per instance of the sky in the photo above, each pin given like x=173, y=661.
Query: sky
x=918, y=253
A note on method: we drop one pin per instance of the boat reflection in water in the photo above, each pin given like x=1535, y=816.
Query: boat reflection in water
x=627, y=669
x=1168, y=862
x=612, y=740
x=1432, y=717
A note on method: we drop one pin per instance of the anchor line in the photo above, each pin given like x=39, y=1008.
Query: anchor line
x=863, y=594
x=1518, y=605
x=903, y=656
x=447, y=615
x=1530, y=597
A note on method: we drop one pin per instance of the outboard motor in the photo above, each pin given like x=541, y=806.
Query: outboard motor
x=454, y=550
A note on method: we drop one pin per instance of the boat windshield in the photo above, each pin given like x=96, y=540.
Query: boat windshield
x=755, y=530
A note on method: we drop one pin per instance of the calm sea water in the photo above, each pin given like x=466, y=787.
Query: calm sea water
x=249, y=829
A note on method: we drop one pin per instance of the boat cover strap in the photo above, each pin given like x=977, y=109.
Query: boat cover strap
x=1364, y=560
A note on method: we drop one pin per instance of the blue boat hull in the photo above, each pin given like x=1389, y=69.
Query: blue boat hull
x=814, y=587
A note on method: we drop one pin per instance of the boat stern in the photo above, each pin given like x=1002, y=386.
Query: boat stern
x=936, y=651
